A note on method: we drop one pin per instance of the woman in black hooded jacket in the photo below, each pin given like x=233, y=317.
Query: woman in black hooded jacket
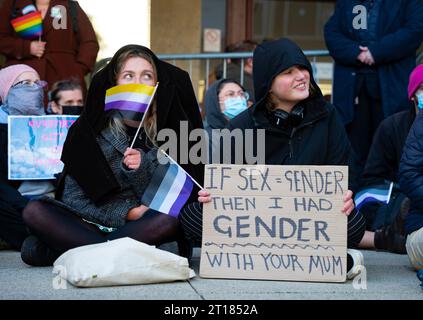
x=301, y=128
x=103, y=180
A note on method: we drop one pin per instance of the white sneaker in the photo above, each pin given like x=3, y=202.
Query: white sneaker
x=358, y=263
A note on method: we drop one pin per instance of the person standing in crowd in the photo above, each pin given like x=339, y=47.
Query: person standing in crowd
x=65, y=97
x=374, y=44
x=234, y=67
x=103, y=180
x=224, y=100
x=21, y=93
x=61, y=52
x=301, y=128
x=411, y=175
x=385, y=222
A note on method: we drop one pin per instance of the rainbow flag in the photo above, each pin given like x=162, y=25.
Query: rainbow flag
x=29, y=26
x=380, y=193
x=129, y=101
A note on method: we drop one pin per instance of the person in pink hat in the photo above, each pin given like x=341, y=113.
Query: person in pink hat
x=411, y=173
x=415, y=87
x=21, y=93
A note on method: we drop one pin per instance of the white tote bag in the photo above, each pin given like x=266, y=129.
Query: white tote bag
x=121, y=262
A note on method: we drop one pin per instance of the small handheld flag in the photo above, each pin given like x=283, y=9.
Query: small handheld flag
x=380, y=193
x=169, y=189
x=29, y=26
x=129, y=101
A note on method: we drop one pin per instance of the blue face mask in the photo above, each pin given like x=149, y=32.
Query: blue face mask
x=24, y=99
x=420, y=101
x=234, y=106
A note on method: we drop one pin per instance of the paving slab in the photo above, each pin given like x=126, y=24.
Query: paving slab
x=389, y=277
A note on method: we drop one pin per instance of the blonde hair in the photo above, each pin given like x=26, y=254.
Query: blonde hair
x=150, y=118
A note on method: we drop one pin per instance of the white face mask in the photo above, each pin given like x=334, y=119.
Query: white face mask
x=234, y=106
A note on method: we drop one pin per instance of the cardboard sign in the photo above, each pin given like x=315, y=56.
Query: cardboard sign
x=275, y=223
x=35, y=145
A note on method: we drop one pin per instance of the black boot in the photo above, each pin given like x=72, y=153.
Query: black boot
x=390, y=240
x=36, y=253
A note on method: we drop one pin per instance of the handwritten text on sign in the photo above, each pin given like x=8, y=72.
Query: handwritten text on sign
x=275, y=222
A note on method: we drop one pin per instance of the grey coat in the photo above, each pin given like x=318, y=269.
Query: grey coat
x=112, y=213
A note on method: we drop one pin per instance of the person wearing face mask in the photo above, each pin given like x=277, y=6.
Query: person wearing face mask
x=411, y=174
x=385, y=222
x=301, y=128
x=21, y=93
x=224, y=100
x=65, y=97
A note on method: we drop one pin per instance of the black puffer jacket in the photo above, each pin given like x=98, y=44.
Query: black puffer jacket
x=320, y=138
x=411, y=174
x=386, y=150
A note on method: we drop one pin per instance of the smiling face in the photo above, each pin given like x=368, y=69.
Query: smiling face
x=290, y=87
x=136, y=70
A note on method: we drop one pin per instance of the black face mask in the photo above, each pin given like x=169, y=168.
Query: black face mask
x=72, y=110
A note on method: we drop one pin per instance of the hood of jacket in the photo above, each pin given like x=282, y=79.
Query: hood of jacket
x=270, y=59
x=214, y=117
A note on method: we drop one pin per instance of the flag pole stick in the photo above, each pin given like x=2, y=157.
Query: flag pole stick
x=143, y=116
x=173, y=161
x=390, y=192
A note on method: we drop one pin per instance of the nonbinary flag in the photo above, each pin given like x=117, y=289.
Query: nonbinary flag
x=29, y=26
x=169, y=189
x=129, y=101
x=380, y=193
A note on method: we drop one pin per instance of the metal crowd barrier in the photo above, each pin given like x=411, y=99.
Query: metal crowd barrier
x=173, y=58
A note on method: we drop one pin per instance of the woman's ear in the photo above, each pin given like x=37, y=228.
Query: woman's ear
x=56, y=108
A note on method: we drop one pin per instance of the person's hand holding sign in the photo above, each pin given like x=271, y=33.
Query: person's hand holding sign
x=204, y=196
x=348, y=203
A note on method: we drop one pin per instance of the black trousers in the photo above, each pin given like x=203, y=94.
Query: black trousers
x=368, y=114
x=12, y=227
x=191, y=218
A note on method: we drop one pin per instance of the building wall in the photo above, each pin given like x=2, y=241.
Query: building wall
x=176, y=28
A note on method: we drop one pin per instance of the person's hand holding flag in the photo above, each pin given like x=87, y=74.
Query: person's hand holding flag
x=132, y=158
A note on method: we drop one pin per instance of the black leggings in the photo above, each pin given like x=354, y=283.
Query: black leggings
x=192, y=222
x=61, y=229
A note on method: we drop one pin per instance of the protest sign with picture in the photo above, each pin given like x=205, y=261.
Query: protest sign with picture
x=275, y=223
x=35, y=145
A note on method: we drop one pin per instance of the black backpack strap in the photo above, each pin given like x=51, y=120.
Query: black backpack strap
x=74, y=15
